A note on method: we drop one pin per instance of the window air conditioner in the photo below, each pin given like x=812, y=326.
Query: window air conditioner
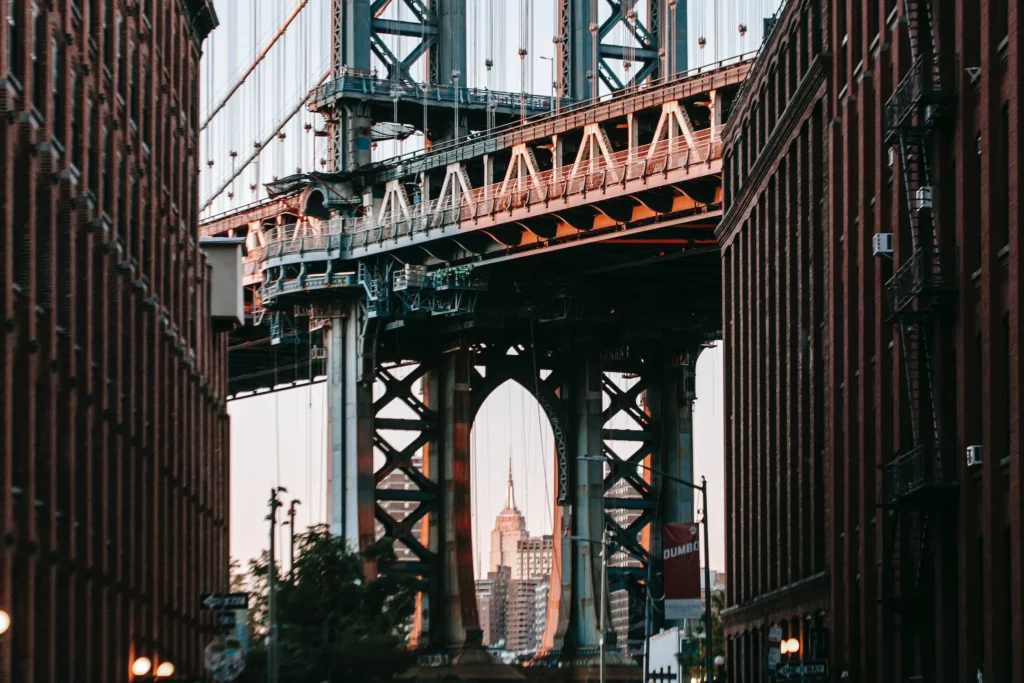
x=974, y=455
x=881, y=243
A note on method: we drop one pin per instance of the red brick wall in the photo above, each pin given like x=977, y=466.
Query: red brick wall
x=114, y=486
x=851, y=408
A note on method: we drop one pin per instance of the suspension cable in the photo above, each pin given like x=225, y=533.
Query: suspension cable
x=255, y=62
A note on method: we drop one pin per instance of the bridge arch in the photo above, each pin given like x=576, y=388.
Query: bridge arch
x=522, y=371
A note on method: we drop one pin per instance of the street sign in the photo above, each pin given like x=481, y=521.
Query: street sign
x=808, y=669
x=226, y=620
x=218, y=602
x=775, y=633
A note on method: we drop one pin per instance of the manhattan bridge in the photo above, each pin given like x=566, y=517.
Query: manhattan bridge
x=556, y=240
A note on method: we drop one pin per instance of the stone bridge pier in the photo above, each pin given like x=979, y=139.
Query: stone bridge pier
x=629, y=401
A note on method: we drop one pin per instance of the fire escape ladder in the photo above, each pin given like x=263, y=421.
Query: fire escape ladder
x=917, y=480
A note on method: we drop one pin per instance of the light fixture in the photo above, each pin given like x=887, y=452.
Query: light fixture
x=784, y=647
x=141, y=666
x=5, y=621
x=165, y=669
x=792, y=646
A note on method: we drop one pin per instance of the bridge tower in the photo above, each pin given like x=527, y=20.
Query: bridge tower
x=583, y=47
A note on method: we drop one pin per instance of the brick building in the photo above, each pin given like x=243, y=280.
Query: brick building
x=113, y=429
x=856, y=382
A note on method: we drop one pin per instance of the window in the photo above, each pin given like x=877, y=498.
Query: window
x=1004, y=179
x=133, y=97
x=108, y=181
x=13, y=45
x=976, y=223
x=94, y=164
x=57, y=74
x=38, y=76
x=1006, y=382
x=122, y=62
x=109, y=41
x=76, y=120
x=979, y=405
x=145, y=95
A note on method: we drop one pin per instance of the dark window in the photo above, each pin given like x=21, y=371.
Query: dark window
x=122, y=62
x=133, y=97
x=976, y=223
x=145, y=95
x=123, y=226
x=132, y=223
x=1001, y=8
x=980, y=403
x=109, y=41
x=38, y=75
x=94, y=164
x=1006, y=384
x=76, y=120
x=108, y=181
x=1004, y=180
x=58, y=100
x=979, y=610
x=13, y=44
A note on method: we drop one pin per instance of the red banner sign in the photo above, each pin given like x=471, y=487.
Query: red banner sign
x=681, y=569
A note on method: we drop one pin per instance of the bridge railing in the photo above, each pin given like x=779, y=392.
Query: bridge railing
x=362, y=83
x=738, y=63
x=501, y=197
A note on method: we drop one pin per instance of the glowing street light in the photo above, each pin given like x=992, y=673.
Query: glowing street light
x=141, y=666
x=165, y=669
x=5, y=621
x=792, y=646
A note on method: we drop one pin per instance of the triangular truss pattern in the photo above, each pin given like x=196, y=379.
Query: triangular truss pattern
x=454, y=191
x=522, y=167
x=673, y=123
x=395, y=203
x=595, y=148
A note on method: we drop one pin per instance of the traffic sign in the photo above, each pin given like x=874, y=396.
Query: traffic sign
x=217, y=602
x=801, y=669
x=226, y=619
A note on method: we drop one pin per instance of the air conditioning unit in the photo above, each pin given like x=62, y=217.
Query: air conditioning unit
x=923, y=198
x=892, y=157
x=974, y=455
x=881, y=243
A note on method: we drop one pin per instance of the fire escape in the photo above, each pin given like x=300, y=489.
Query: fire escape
x=919, y=478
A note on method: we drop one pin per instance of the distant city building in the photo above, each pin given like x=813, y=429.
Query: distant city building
x=621, y=604
x=512, y=600
x=492, y=606
x=533, y=558
x=509, y=529
x=399, y=510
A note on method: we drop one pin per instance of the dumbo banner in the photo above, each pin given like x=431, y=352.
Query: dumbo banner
x=681, y=567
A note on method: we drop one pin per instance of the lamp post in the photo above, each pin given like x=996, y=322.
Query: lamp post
x=604, y=587
x=554, y=102
x=703, y=488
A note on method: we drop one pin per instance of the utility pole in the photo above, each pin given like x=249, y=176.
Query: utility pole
x=272, y=650
x=604, y=588
x=707, y=580
x=291, y=538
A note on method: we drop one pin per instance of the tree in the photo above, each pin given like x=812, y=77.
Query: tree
x=334, y=625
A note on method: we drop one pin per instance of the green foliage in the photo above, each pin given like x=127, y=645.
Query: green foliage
x=334, y=625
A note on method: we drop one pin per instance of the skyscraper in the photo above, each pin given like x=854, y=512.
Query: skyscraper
x=509, y=529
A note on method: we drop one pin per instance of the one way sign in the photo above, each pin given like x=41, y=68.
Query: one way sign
x=218, y=602
x=797, y=670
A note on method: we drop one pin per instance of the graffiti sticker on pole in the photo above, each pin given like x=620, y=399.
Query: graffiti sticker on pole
x=681, y=571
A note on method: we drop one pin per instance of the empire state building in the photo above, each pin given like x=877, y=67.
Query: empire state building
x=509, y=529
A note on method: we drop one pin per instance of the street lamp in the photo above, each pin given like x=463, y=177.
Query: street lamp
x=141, y=666
x=554, y=83
x=703, y=488
x=5, y=622
x=604, y=586
x=165, y=669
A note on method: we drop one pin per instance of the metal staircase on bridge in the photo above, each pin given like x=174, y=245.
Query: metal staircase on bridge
x=917, y=481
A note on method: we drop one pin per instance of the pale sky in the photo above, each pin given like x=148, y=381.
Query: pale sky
x=279, y=438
